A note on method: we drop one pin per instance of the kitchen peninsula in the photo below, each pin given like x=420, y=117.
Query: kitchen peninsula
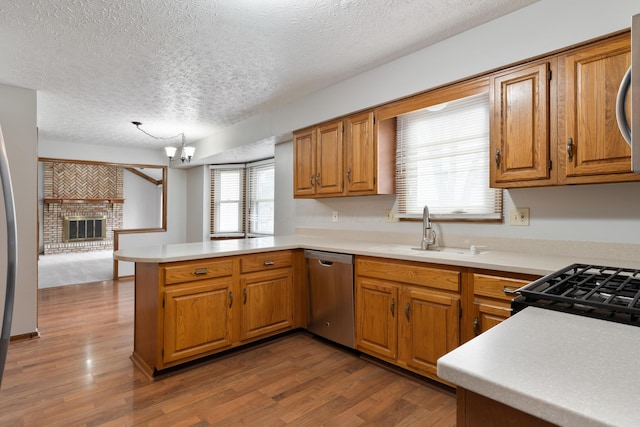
x=210, y=283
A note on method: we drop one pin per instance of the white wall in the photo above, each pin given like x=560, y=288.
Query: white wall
x=18, y=121
x=607, y=213
x=198, y=202
x=285, y=207
x=142, y=202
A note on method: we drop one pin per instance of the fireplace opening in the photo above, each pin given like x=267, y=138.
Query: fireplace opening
x=84, y=228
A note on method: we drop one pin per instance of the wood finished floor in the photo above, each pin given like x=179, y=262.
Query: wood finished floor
x=79, y=374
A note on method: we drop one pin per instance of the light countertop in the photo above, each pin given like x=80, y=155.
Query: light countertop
x=567, y=369
x=508, y=261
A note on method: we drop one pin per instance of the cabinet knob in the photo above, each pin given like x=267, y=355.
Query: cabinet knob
x=406, y=310
x=349, y=175
x=201, y=271
x=230, y=299
x=393, y=307
x=476, y=323
x=244, y=296
x=312, y=180
x=570, y=149
x=318, y=179
x=268, y=263
x=497, y=157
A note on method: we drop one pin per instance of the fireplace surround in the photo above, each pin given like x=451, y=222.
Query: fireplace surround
x=77, y=195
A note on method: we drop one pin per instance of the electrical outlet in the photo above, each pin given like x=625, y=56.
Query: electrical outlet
x=334, y=216
x=519, y=216
x=390, y=216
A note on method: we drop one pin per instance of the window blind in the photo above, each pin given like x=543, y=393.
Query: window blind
x=228, y=201
x=443, y=161
x=260, y=195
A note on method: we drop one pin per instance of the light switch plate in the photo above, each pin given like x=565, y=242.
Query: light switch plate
x=519, y=216
x=334, y=216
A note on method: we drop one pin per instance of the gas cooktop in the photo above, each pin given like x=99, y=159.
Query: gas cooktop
x=608, y=293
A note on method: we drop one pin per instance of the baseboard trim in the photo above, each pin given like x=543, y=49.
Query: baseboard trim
x=27, y=336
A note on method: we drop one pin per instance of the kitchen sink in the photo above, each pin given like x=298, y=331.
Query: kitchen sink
x=432, y=251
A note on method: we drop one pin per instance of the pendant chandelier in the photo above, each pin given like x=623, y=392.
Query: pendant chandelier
x=186, y=153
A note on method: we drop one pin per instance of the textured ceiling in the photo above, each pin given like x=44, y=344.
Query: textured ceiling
x=197, y=66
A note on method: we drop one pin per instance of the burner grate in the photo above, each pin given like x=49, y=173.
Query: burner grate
x=607, y=290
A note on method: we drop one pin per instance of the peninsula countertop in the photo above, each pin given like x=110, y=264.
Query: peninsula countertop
x=566, y=369
x=508, y=261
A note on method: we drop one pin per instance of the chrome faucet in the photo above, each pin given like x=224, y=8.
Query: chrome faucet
x=428, y=234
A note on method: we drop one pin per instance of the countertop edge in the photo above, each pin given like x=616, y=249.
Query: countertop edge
x=512, y=262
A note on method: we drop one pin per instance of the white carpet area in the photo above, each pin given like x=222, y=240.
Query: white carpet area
x=69, y=269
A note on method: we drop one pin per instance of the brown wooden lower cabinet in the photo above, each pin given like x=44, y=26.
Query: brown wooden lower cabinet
x=197, y=319
x=406, y=313
x=476, y=410
x=191, y=309
x=267, y=302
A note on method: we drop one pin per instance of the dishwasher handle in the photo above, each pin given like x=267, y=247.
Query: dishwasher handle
x=325, y=263
x=326, y=258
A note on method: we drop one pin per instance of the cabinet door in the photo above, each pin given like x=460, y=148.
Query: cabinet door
x=376, y=317
x=592, y=145
x=329, y=160
x=360, y=154
x=520, y=132
x=304, y=161
x=489, y=315
x=197, y=318
x=267, y=302
x=430, y=327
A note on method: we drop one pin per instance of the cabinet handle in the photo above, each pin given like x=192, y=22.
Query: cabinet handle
x=311, y=180
x=393, y=307
x=244, y=296
x=497, y=157
x=268, y=263
x=230, y=299
x=570, y=149
x=349, y=175
x=510, y=291
x=476, y=323
x=201, y=271
x=318, y=179
x=406, y=310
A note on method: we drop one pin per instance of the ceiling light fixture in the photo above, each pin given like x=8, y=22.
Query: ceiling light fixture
x=187, y=152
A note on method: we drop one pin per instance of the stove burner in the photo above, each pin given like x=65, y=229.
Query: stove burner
x=603, y=292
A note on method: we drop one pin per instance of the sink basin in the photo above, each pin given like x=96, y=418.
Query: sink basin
x=456, y=251
x=432, y=251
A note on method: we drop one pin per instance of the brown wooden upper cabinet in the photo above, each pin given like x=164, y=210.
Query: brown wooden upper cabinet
x=318, y=157
x=553, y=121
x=590, y=146
x=520, y=126
x=346, y=157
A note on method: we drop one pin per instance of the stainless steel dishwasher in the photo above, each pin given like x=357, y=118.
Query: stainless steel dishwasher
x=331, y=296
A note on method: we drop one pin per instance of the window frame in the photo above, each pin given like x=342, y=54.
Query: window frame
x=246, y=200
x=434, y=97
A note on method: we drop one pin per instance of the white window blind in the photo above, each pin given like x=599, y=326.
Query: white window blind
x=260, y=195
x=242, y=200
x=228, y=201
x=443, y=161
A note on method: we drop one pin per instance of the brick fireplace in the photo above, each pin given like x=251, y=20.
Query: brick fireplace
x=81, y=190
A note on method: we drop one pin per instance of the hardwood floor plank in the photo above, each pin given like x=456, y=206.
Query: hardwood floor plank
x=78, y=373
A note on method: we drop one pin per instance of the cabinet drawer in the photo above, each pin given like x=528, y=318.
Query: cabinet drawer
x=495, y=286
x=206, y=269
x=409, y=273
x=265, y=261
